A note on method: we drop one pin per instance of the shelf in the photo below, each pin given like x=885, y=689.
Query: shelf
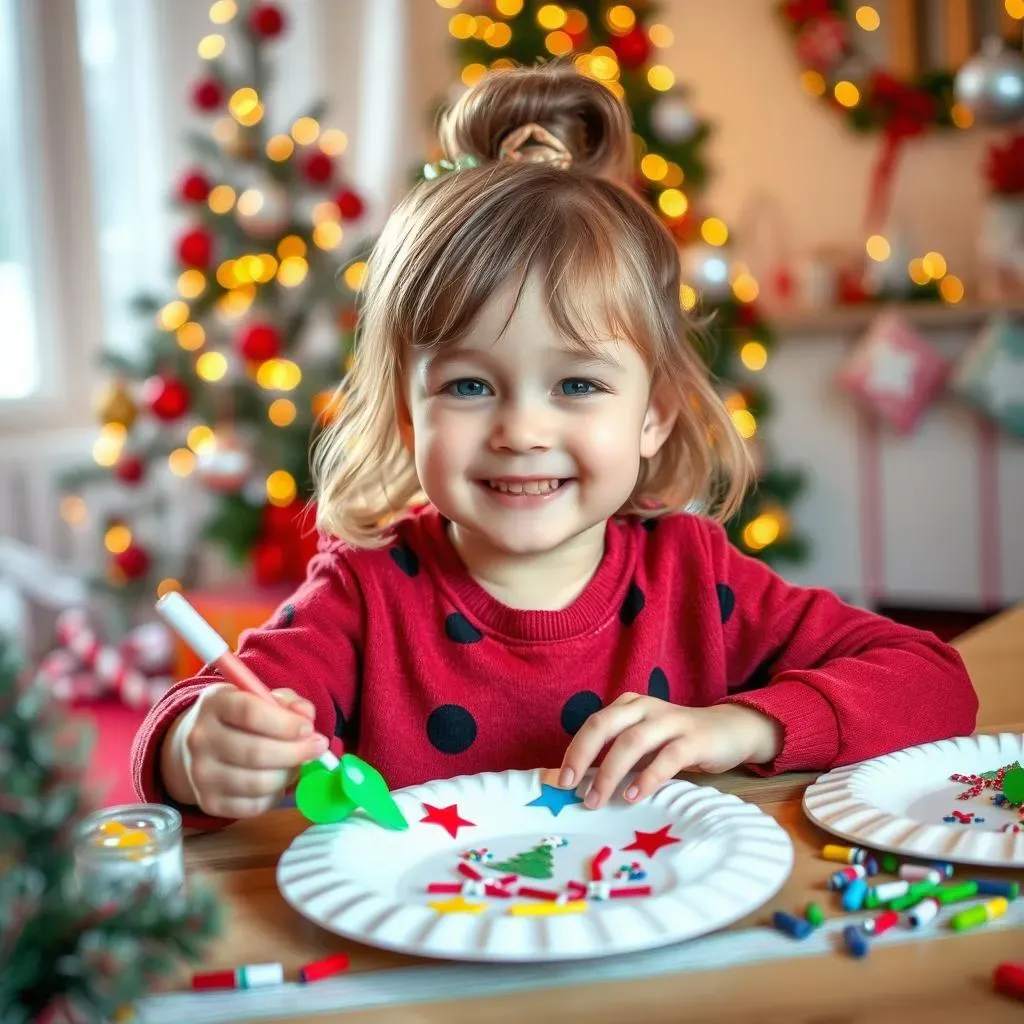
x=855, y=318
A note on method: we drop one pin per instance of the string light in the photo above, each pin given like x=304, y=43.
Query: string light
x=951, y=288
x=744, y=422
x=673, y=203
x=268, y=268
x=212, y=46
x=754, y=356
x=878, y=248
x=333, y=142
x=498, y=34
x=221, y=198
x=714, y=231
x=279, y=148
x=326, y=405
x=191, y=336
x=934, y=264
x=604, y=69
x=745, y=287
x=173, y=315
x=118, y=538
x=305, y=131
x=961, y=115
x=191, y=283
x=291, y=245
x=762, y=531
x=867, y=17
x=660, y=77
x=168, y=586
x=813, y=82
x=281, y=412
x=250, y=202
x=211, y=366
x=551, y=16
x=661, y=36
x=200, y=438
x=673, y=176
x=355, y=275
x=846, y=93
x=462, y=26
x=449, y=4
x=481, y=23
x=687, y=297
x=558, y=43
x=223, y=11
x=237, y=301
x=73, y=510
x=181, y=462
x=472, y=73
x=1014, y=8
x=226, y=274
x=281, y=488
x=620, y=19
x=501, y=64
x=278, y=375
x=917, y=273
x=654, y=167
x=292, y=271
x=328, y=235
x=326, y=211
x=575, y=21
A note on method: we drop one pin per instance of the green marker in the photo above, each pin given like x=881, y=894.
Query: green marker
x=815, y=915
x=890, y=864
x=954, y=893
x=978, y=915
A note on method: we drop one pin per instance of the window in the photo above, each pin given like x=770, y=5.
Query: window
x=20, y=356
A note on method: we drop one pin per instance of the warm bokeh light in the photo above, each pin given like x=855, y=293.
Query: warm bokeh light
x=278, y=375
x=168, y=586
x=448, y=4
x=328, y=235
x=355, y=275
x=661, y=36
x=290, y=245
x=200, y=438
x=173, y=315
x=221, y=198
x=498, y=34
x=687, y=297
x=191, y=283
x=813, y=82
x=762, y=531
x=558, y=43
x=281, y=488
x=305, y=130
x=1014, y=8
x=211, y=366
x=73, y=510
x=915, y=268
x=714, y=231
x=118, y=538
x=551, y=16
x=951, y=288
x=961, y=115
x=673, y=203
x=660, y=77
x=654, y=167
x=462, y=26
x=621, y=18
x=508, y=8
x=212, y=46
x=934, y=265
x=279, y=148
x=243, y=103
x=754, y=356
x=472, y=73
x=846, y=94
x=745, y=287
x=191, y=336
x=223, y=11
x=281, y=412
x=878, y=248
x=746, y=425
x=250, y=202
x=673, y=176
x=867, y=17
x=292, y=271
x=181, y=462
x=106, y=449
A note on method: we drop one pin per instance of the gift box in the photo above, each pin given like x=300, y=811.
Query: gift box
x=230, y=612
x=991, y=374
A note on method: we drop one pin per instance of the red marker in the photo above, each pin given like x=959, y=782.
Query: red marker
x=1009, y=979
x=325, y=968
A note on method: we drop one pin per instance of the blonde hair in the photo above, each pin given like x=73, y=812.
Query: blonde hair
x=608, y=268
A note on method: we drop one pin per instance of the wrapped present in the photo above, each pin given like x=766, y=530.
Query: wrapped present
x=231, y=613
x=894, y=373
x=990, y=376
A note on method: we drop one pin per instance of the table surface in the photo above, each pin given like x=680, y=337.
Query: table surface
x=939, y=978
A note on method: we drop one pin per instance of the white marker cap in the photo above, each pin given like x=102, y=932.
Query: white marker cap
x=207, y=643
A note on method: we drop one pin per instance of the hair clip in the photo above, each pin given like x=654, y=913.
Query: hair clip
x=439, y=167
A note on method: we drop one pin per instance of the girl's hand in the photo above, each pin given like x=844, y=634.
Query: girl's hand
x=668, y=738
x=233, y=754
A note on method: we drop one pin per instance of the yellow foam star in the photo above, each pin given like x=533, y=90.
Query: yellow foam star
x=457, y=905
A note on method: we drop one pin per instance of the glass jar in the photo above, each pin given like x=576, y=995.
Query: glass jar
x=119, y=848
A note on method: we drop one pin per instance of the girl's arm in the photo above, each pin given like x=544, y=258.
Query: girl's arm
x=310, y=645
x=844, y=684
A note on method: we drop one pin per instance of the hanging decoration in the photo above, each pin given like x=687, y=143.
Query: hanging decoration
x=991, y=84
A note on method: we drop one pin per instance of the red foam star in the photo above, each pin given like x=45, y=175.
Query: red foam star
x=447, y=817
x=651, y=842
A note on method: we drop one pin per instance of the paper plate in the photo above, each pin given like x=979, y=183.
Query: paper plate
x=370, y=884
x=897, y=803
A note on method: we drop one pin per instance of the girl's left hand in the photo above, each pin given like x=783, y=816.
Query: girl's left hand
x=670, y=738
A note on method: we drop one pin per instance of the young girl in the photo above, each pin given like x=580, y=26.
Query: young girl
x=506, y=577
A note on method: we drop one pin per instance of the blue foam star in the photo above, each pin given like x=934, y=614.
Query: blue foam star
x=555, y=799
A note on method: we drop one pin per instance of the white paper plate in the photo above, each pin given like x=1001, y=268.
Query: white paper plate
x=896, y=803
x=369, y=884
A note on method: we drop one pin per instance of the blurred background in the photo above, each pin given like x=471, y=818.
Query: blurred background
x=188, y=191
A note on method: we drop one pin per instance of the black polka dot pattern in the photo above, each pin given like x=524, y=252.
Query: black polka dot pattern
x=405, y=558
x=657, y=684
x=759, y=678
x=577, y=709
x=633, y=605
x=339, y=722
x=451, y=729
x=650, y=525
x=287, y=615
x=458, y=628
x=726, y=600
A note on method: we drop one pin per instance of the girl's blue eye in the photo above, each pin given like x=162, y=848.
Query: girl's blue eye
x=577, y=386
x=466, y=387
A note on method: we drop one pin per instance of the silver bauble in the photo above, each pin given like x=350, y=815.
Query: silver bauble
x=706, y=269
x=672, y=119
x=991, y=84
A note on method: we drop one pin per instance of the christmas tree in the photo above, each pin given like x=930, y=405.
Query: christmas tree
x=237, y=367
x=617, y=44
x=63, y=958
x=537, y=862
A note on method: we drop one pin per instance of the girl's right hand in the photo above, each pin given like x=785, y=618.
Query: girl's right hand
x=233, y=754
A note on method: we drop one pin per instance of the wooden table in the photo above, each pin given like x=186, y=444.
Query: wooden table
x=946, y=978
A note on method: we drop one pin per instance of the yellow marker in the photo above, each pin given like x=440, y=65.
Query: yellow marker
x=979, y=915
x=548, y=909
x=842, y=854
x=457, y=905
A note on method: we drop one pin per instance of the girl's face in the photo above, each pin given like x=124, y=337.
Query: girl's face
x=523, y=443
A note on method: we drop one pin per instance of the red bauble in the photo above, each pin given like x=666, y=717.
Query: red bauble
x=266, y=20
x=133, y=562
x=208, y=94
x=194, y=188
x=318, y=168
x=350, y=204
x=269, y=562
x=195, y=248
x=259, y=342
x=166, y=397
x=747, y=315
x=633, y=48
x=129, y=469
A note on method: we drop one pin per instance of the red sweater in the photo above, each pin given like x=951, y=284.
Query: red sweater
x=409, y=660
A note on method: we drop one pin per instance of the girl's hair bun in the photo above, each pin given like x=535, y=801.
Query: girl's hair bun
x=579, y=111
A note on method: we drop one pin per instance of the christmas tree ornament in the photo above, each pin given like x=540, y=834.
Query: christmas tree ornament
x=894, y=373
x=133, y=563
x=208, y=95
x=194, y=188
x=822, y=42
x=991, y=84
x=269, y=562
x=114, y=404
x=129, y=469
x=195, y=248
x=990, y=376
x=673, y=119
x=318, y=168
x=267, y=21
x=631, y=49
x=269, y=215
x=259, y=342
x=350, y=204
x=225, y=463
x=706, y=269
x=166, y=397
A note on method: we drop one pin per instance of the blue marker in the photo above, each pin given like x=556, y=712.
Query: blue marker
x=796, y=927
x=854, y=895
x=856, y=944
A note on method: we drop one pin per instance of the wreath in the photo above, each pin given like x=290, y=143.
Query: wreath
x=872, y=99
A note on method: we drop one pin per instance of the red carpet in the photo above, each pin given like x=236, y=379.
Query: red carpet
x=114, y=728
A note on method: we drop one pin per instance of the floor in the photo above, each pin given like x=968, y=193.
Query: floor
x=116, y=725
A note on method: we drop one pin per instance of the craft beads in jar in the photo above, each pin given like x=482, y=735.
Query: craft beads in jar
x=119, y=848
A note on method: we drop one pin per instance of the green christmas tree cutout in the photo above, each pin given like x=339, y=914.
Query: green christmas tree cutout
x=537, y=862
